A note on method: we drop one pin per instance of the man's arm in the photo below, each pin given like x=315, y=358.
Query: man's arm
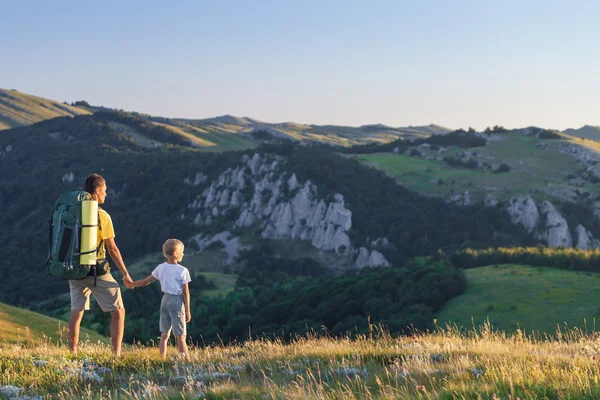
x=115, y=255
x=186, y=301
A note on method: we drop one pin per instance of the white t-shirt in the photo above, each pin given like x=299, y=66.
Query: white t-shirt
x=172, y=277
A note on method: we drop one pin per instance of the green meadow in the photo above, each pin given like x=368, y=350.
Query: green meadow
x=18, y=325
x=533, y=171
x=530, y=298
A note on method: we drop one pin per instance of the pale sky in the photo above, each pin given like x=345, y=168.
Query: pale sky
x=453, y=63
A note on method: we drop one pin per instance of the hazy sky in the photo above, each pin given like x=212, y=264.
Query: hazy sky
x=453, y=63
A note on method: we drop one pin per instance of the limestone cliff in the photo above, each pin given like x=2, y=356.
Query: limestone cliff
x=260, y=194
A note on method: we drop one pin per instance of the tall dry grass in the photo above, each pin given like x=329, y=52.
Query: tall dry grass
x=450, y=363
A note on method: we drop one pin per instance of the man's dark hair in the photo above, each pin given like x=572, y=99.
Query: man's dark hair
x=92, y=182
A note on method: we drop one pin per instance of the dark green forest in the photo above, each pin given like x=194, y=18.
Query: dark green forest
x=296, y=301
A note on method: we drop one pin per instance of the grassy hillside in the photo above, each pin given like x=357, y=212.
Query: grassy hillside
x=17, y=109
x=220, y=140
x=538, y=168
x=587, y=131
x=330, y=134
x=479, y=364
x=21, y=325
x=198, y=263
x=217, y=134
x=531, y=298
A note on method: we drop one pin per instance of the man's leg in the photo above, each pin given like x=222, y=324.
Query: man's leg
x=117, y=327
x=73, y=329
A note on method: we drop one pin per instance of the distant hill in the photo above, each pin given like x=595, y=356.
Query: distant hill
x=587, y=131
x=18, y=109
x=18, y=325
x=330, y=134
x=223, y=133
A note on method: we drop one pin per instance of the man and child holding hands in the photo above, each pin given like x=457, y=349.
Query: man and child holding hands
x=173, y=277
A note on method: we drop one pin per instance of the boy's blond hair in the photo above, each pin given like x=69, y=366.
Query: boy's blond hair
x=171, y=245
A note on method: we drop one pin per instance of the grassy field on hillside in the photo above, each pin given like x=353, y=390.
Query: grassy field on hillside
x=221, y=141
x=532, y=298
x=19, y=108
x=533, y=171
x=18, y=325
x=195, y=262
x=422, y=175
x=446, y=364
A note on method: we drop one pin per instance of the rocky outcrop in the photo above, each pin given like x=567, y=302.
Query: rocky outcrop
x=584, y=239
x=548, y=225
x=555, y=231
x=198, y=179
x=589, y=158
x=68, y=177
x=373, y=259
x=523, y=211
x=292, y=183
x=564, y=193
x=461, y=199
x=490, y=200
x=300, y=214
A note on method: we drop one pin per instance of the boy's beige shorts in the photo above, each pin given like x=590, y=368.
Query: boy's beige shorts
x=106, y=292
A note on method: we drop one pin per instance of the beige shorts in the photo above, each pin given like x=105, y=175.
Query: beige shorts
x=106, y=292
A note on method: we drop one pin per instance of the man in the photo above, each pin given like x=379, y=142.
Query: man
x=106, y=290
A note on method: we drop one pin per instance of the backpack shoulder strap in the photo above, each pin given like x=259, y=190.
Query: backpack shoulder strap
x=99, y=220
x=99, y=228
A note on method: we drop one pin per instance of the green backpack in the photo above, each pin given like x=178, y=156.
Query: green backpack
x=64, y=239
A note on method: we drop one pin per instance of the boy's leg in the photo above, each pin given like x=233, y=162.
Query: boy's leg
x=164, y=341
x=117, y=327
x=73, y=329
x=182, y=346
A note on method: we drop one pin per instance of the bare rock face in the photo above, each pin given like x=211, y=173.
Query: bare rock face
x=198, y=179
x=68, y=177
x=584, y=239
x=363, y=258
x=292, y=183
x=490, y=200
x=548, y=225
x=555, y=230
x=461, y=199
x=255, y=164
x=374, y=259
x=338, y=214
x=523, y=211
x=245, y=219
x=302, y=214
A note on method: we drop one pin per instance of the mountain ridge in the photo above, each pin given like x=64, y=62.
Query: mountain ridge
x=18, y=109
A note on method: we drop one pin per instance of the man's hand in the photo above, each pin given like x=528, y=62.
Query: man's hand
x=188, y=316
x=128, y=281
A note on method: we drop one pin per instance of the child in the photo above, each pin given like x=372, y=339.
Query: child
x=174, y=280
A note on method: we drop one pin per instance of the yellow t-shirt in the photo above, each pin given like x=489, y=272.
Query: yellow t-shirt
x=107, y=231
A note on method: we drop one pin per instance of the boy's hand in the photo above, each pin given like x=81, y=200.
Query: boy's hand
x=128, y=283
x=188, y=316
